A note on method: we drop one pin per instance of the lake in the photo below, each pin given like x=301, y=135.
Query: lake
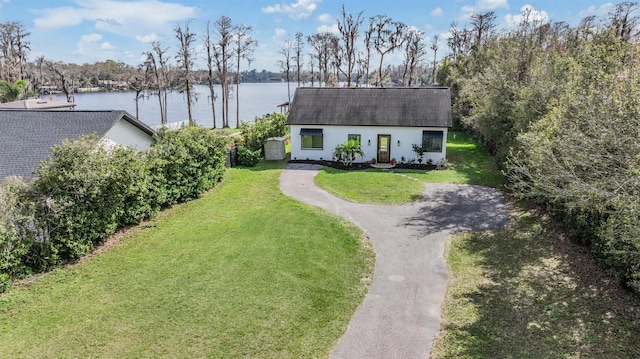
x=256, y=100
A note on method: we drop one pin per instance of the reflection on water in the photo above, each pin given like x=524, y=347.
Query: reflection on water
x=256, y=99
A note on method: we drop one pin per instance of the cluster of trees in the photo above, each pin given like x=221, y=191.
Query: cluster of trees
x=82, y=194
x=348, y=55
x=559, y=106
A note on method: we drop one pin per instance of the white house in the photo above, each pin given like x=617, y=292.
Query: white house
x=26, y=136
x=386, y=121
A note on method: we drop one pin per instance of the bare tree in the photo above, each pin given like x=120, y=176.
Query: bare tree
x=624, y=20
x=349, y=31
x=245, y=45
x=482, y=25
x=285, y=64
x=434, y=47
x=387, y=35
x=297, y=50
x=312, y=62
x=321, y=44
x=185, y=63
x=414, y=51
x=210, y=67
x=139, y=81
x=14, y=49
x=156, y=63
x=63, y=79
x=223, y=54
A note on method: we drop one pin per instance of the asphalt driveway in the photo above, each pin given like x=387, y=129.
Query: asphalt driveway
x=400, y=316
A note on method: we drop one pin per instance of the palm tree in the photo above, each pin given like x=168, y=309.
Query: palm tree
x=347, y=152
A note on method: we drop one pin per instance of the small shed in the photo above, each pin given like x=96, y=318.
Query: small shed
x=274, y=149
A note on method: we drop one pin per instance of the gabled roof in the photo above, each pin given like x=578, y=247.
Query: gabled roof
x=365, y=106
x=37, y=104
x=26, y=136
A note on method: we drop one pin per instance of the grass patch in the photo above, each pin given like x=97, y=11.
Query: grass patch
x=369, y=186
x=525, y=291
x=468, y=163
x=242, y=272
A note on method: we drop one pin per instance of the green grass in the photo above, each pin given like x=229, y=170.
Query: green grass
x=242, y=272
x=468, y=163
x=525, y=291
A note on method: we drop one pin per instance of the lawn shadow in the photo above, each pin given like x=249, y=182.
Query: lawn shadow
x=542, y=297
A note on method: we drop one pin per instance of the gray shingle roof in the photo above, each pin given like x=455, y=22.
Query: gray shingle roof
x=362, y=106
x=26, y=136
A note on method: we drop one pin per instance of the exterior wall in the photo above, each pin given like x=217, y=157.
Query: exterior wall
x=335, y=135
x=125, y=134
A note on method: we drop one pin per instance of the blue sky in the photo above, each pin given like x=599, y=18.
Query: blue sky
x=85, y=31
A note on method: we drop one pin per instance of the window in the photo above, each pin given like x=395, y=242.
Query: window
x=432, y=141
x=311, y=138
x=354, y=137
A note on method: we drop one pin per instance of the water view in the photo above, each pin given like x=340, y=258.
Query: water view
x=256, y=99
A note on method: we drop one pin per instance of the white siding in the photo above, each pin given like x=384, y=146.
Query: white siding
x=335, y=135
x=125, y=134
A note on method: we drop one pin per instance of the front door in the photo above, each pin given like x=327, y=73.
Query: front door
x=384, y=142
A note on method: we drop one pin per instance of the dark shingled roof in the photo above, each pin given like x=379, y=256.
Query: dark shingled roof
x=26, y=136
x=363, y=106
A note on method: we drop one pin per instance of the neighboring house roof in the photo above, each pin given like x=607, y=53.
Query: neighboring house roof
x=26, y=136
x=36, y=104
x=364, y=106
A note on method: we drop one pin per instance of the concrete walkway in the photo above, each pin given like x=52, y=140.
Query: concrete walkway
x=400, y=316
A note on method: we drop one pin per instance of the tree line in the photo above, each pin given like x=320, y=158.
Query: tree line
x=559, y=107
x=347, y=56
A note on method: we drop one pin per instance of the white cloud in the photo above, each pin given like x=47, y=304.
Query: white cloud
x=428, y=27
x=437, y=12
x=299, y=10
x=325, y=18
x=147, y=38
x=333, y=28
x=596, y=11
x=466, y=12
x=280, y=32
x=527, y=13
x=482, y=5
x=90, y=46
x=130, y=18
x=492, y=4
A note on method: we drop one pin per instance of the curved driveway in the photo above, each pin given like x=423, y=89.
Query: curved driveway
x=400, y=316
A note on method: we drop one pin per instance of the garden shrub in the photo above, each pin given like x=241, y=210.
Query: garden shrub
x=83, y=193
x=187, y=162
x=255, y=135
x=248, y=158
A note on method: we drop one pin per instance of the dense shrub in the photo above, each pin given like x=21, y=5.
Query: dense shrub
x=84, y=192
x=187, y=162
x=255, y=135
x=248, y=158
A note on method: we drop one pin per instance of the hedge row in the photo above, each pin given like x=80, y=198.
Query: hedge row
x=83, y=193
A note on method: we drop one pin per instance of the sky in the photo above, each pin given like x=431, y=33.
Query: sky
x=87, y=31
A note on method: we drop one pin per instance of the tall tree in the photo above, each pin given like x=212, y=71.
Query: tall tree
x=14, y=49
x=387, y=36
x=245, y=45
x=297, y=54
x=414, y=51
x=434, y=46
x=348, y=27
x=321, y=44
x=483, y=25
x=285, y=64
x=209, y=48
x=185, y=61
x=223, y=54
x=156, y=63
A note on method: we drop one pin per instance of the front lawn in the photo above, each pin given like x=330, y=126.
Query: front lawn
x=467, y=161
x=242, y=272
